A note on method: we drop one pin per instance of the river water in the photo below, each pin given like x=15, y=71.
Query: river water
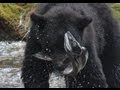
x=11, y=57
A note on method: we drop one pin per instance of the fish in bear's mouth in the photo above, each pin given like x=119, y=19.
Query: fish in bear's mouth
x=76, y=60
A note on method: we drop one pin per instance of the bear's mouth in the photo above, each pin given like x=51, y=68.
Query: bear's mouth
x=76, y=60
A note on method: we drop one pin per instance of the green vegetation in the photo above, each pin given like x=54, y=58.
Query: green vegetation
x=116, y=10
x=10, y=14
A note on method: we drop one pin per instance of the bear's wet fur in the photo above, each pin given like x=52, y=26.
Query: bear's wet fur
x=101, y=37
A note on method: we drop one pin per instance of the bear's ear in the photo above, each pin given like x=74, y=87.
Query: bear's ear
x=37, y=18
x=84, y=22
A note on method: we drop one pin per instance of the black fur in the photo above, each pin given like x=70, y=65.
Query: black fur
x=101, y=37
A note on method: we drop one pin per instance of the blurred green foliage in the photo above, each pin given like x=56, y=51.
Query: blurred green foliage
x=10, y=14
x=116, y=10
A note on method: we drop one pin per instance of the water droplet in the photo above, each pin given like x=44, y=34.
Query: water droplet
x=81, y=86
x=38, y=26
x=47, y=35
x=83, y=81
x=99, y=85
x=84, y=76
x=49, y=50
x=46, y=49
x=47, y=42
x=37, y=37
x=30, y=77
x=45, y=56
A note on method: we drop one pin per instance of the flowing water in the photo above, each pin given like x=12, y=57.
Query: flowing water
x=11, y=57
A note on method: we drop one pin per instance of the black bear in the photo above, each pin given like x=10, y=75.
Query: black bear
x=79, y=40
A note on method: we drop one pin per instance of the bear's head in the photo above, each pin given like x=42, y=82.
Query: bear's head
x=59, y=34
